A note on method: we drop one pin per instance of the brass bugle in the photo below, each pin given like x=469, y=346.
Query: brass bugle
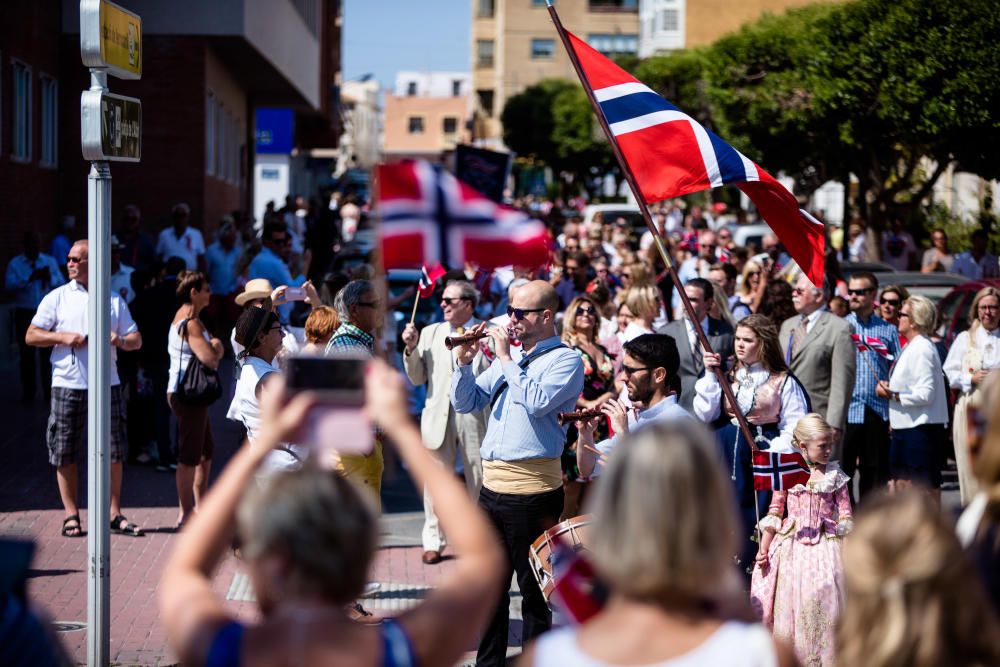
x=582, y=416
x=451, y=341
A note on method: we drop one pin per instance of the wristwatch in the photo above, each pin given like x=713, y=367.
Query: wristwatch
x=895, y=396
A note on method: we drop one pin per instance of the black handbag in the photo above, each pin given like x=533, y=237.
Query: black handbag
x=199, y=385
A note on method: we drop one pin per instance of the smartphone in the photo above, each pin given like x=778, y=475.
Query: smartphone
x=295, y=294
x=338, y=422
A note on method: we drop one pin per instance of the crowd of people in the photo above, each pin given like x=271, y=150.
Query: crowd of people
x=696, y=564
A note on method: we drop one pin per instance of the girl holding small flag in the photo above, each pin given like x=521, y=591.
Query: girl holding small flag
x=772, y=400
x=797, y=584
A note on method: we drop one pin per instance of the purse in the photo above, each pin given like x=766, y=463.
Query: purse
x=199, y=385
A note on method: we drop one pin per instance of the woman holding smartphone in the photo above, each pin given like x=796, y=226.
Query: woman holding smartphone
x=309, y=538
x=188, y=338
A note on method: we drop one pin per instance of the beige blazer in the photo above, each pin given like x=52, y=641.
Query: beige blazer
x=825, y=364
x=431, y=364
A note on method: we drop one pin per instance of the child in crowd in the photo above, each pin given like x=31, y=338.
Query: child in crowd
x=797, y=584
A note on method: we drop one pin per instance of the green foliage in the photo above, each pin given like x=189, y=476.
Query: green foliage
x=528, y=123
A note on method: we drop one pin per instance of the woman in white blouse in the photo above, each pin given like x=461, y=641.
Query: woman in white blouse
x=918, y=408
x=972, y=357
x=773, y=402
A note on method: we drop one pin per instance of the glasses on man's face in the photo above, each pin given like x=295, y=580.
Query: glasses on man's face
x=629, y=370
x=519, y=313
x=452, y=300
x=860, y=292
x=585, y=311
x=73, y=260
x=282, y=240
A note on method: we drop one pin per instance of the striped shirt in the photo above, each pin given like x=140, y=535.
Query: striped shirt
x=864, y=380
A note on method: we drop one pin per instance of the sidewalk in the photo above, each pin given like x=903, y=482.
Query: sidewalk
x=30, y=508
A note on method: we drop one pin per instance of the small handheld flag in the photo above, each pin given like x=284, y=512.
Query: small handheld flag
x=428, y=278
x=778, y=472
x=573, y=580
x=872, y=344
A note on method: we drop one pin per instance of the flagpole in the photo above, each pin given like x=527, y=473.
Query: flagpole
x=727, y=389
x=416, y=302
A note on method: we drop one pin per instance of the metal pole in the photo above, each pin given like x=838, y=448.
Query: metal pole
x=99, y=406
x=727, y=390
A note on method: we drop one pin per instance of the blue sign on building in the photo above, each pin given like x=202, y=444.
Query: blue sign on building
x=275, y=132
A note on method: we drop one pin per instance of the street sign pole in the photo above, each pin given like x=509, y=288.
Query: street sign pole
x=99, y=406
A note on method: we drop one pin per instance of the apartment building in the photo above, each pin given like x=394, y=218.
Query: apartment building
x=427, y=115
x=514, y=45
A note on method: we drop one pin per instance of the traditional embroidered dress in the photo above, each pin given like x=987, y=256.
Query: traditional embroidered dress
x=799, y=594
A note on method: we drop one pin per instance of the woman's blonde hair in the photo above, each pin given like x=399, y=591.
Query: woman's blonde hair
x=639, y=274
x=643, y=302
x=986, y=456
x=650, y=542
x=321, y=324
x=809, y=427
x=721, y=302
x=922, y=313
x=912, y=596
x=569, y=332
x=974, y=308
x=323, y=525
x=748, y=268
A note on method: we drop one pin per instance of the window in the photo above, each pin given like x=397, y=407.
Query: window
x=614, y=45
x=456, y=87
x=485, y=10
x=48, y=155
x=486, y=101
x=210, y=133
x=415, y=125
x=613, y=5
x=411, y=88
x=21, y=113
x=484, y=53
x=670, y=20
x=543, y=48
x=450, y=125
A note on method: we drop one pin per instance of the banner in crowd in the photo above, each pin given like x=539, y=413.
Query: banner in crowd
x=484, y=170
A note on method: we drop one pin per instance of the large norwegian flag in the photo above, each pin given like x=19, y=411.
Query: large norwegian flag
x=430, y=217
x=671, y=154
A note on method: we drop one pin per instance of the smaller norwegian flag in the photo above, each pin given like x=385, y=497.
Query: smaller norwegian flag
x=872, y=344
x=427, y=279
x=573, y=579
x=778, y=472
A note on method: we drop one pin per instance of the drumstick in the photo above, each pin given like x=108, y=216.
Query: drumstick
x=600, y=457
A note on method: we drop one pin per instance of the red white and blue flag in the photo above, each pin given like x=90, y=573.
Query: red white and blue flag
x=872, y=344
x=671, y=154
x=429, y=217
x=778, y=472
x=573, y=582
x=425, y=287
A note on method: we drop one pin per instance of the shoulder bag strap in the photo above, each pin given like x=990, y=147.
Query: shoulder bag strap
x=502, y=387
x=182, y=332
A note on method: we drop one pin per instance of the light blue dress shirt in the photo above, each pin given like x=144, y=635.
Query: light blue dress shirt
x=28, y=293
x=666, y=411
x=523, y=422
x=221, y=265
x=268, y=265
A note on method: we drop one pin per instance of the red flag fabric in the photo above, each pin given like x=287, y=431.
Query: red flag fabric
x=573, y=580
x=778, y=472
x=430, y=217
x=671, y=154
x=428, y=278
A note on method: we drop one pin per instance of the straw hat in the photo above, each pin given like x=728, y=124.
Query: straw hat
x=258, y=288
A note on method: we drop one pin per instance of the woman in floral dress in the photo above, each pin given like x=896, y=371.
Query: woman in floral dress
x=580, y=330
x=798, y=585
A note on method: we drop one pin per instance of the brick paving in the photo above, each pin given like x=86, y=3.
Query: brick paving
x=57, y=583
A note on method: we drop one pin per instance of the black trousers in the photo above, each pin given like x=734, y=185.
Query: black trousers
x=866, y=451
x=26, y=355
x=519, y=520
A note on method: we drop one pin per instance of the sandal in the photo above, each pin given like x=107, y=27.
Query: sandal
x=121, y=525
x=71, y=526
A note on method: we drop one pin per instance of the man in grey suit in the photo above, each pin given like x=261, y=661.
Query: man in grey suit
x=444, y=431
x=700, y=293
x=820, y=352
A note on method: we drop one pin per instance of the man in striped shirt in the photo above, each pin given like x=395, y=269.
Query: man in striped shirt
x=866, y=438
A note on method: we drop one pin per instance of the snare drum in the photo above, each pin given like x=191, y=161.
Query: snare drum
x=574, y=530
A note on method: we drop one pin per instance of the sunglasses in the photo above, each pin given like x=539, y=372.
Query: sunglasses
x=451, y=301
x=592, y=312
x=860, y=292
x=73, y=260
x=519, y=313
x=629, y=370
x=891, y=302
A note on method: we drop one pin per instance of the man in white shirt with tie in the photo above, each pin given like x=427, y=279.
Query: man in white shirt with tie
x=445, y=431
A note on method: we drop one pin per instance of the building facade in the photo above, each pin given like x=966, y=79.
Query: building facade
x=361, y=141
x=428, y=115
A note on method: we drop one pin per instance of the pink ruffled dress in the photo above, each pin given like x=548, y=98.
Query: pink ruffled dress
x=799, y=594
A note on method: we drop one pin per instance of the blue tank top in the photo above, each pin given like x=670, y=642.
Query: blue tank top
x=397, y=650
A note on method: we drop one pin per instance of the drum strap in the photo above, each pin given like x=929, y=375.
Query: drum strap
x=502, y=387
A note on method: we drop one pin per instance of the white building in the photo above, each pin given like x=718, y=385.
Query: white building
x=360, y=144
x=661, y=26
x=433, y=84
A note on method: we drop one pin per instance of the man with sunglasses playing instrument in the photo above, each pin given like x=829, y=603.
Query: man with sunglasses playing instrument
x=522, y=476
x=444, y=431
x=650, y=366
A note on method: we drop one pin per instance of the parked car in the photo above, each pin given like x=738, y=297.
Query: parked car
x=935, y=286
x=611, y=212
x=953, y=308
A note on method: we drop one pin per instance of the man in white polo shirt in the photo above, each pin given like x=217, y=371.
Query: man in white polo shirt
x=182, y=240
x=61, y=323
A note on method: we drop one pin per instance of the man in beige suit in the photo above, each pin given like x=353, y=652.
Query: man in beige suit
x=444, y=431
x=819, y=350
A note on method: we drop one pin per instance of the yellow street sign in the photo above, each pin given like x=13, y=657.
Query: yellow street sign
x=111, y=38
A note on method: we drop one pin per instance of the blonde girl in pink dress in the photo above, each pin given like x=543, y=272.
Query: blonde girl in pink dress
x=797, y=583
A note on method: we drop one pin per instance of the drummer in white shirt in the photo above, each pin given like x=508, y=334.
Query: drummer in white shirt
x=650, y=367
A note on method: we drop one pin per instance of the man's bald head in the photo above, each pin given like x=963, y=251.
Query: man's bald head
x=539, y=303
x=538, y=294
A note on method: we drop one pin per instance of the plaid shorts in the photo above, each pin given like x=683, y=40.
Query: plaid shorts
x=67, y=427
